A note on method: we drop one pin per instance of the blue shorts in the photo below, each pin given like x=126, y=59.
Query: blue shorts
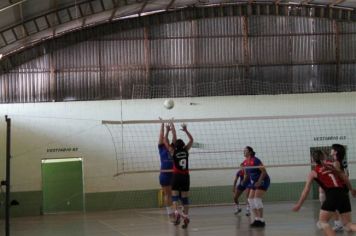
x=242, y=186
x=264, y=185
x=165, y=179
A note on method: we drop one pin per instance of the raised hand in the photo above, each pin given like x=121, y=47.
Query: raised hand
x=168, y=127
x=184, y=127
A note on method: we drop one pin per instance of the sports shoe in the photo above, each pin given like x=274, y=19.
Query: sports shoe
x=248, y=213
x=237, y=210
x=258, y=224
x=262, y=224
x=185, y=222
x=254, y=223
x=338, y=228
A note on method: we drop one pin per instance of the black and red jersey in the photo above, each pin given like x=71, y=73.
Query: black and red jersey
x=327, y=179
x=180, y=160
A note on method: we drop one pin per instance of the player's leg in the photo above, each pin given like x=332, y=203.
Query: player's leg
x=175, y=198
x=344, y=208
x=167, y=191
x=323, y=223
x=166, y=181
x=237, y=193
x=185, y=200
x=346, y=219
x=258, y=204
x=185, y=203
x=338, y=225
x=248, y=213
x=251, y=202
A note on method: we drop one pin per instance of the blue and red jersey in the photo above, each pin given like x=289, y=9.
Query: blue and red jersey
x=253, y=173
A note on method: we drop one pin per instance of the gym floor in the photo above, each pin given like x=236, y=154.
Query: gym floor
x=214, y=221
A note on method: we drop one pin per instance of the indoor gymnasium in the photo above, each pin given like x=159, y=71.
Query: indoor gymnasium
x=177, y=117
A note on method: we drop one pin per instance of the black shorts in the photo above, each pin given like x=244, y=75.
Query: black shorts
x=337, y=199
x=181, y=182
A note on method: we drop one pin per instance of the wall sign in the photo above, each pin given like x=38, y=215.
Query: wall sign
x=63, y=149
x=329, y=138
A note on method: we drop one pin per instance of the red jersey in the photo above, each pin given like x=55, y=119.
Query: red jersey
x=326, y=179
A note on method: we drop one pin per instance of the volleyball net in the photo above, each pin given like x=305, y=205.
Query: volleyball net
x=279, y=141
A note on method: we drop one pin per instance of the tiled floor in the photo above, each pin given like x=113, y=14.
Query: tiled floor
x=207, y=221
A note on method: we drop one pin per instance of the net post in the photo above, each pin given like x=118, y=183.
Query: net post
x=7, y=181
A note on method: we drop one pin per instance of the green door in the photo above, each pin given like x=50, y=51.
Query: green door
x=62, y=185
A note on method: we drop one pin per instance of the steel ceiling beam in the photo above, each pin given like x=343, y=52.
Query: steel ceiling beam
x=305, y=2
x=143, y=7
x=170, y=4
x=13, y=5
x=336, y=2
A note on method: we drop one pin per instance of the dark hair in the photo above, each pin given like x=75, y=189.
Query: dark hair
x=340, y=151
x=318, y=156
x=179, y=145
x=250, y=149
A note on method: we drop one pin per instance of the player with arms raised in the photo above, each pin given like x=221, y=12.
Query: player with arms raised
x=165, y=176
x=181, y=178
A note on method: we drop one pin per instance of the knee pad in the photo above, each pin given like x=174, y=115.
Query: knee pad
x=322, y=225
x=175, y=198
x=258, y=203
x=185, y=200
x=251, y=202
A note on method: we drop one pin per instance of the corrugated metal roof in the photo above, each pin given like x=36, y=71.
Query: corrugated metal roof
x=24, y=22
x=231, y=55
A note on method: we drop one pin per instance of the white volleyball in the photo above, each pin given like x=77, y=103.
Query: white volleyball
x=168, y=104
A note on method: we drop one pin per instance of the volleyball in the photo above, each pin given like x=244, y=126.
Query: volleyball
x=168, y=104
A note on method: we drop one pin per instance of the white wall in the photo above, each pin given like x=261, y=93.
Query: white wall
x=37, y=127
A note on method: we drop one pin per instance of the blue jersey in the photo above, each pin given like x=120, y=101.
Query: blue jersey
x=166, y=159
x=254, y=173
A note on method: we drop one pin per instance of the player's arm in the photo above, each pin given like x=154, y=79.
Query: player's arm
x=168, y=128
x=168, y=146
x=347, y=181
x=190, y=137
x=262, y=176
x=166, y=140
x=161, y=132
x=234, y=184
x=306, y=191
x=341, y=174
x=245, y=179
x=174, y=132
